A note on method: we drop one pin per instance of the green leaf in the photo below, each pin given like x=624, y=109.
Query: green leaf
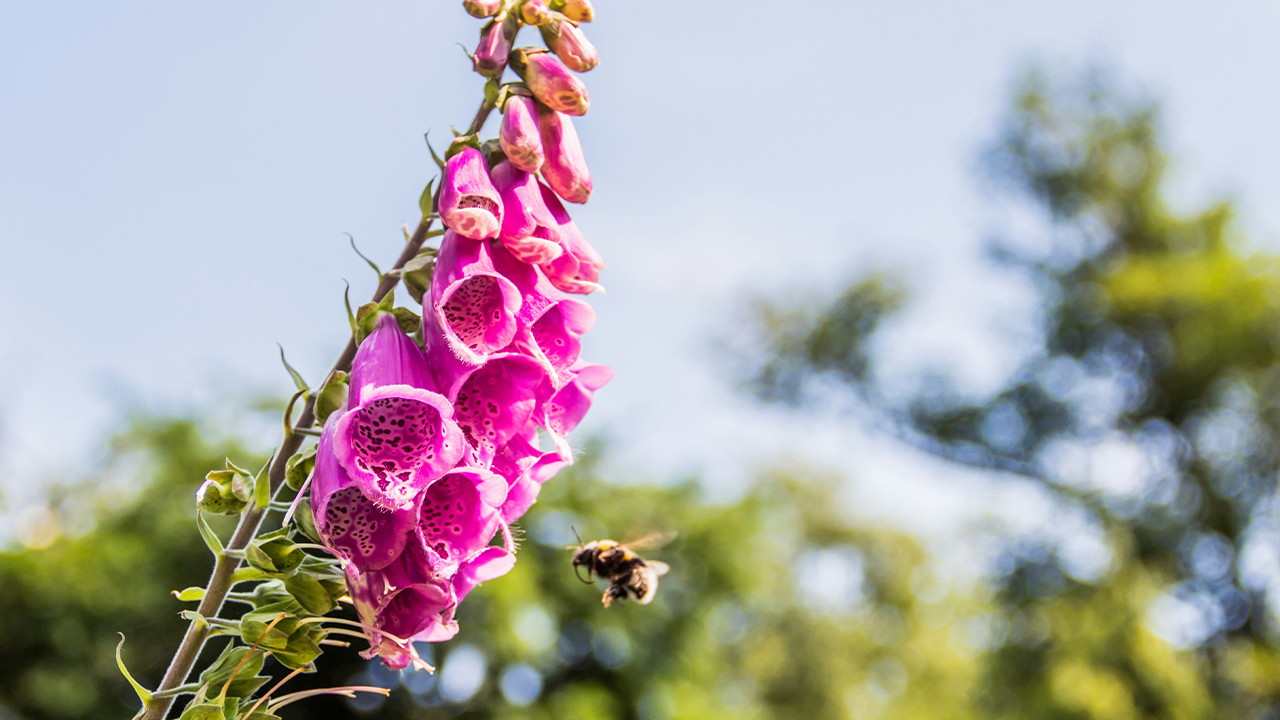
x=346, y=298
x=248, y=574
x=372, y=264
x=305, y=523
x=434, y=156
x=206, y=532
x=302, y=648
x=191, y=594
x=426, y=200
x=143, y=694
x=298, y=382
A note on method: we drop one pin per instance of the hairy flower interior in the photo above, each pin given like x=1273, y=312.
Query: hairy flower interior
x=392, y=438
x=352, y=522
x=474, y=308
x=555, y=342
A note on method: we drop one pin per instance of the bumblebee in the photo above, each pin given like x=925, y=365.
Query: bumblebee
x=630, y=576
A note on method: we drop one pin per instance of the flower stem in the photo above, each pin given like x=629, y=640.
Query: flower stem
x=250, y=520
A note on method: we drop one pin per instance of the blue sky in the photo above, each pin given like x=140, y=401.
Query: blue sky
x=176, y=179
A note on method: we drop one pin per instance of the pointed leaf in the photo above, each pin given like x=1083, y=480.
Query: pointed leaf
x=346, y=298
x=191, y=594
x=372, y=264
x=143, y=694
x=206, y=532
x=262, y=484
x=426, y=200
x=298, y=382
x=434, y=156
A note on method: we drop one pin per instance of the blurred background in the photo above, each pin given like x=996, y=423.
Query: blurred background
x=946, y=335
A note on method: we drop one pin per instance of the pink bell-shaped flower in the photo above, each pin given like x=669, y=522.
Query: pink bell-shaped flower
x=529, y=230
x=473, y=304
x=565, y=167
x=577, y=270
x=469, y=204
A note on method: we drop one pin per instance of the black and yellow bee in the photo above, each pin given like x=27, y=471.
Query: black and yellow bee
x=629, y=575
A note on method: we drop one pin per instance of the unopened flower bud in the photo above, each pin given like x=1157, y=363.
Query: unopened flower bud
x=301, y=465
x=570, y=44
x=469, y=204
x=520, y=135
x=535, y=12
x=565, y=168
x=224, y=492
x=551, y=82
x=331, y=398
x=482, y=8
x=490, y=58
x=577, y=10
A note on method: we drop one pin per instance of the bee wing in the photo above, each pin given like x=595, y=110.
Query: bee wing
x=651, y=542
x=659, y=568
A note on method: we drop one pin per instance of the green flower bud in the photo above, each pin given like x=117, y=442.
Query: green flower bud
x=301, y=464
x=246, y=681
x=310, y=594
x=302, y=648
x=276, y=555
x=225, y=492
x=575, y=10
x=253, y=627
x=303, y=521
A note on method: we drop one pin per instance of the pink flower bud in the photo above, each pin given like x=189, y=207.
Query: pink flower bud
x=551, y=82
x=535, y=12
x=578, y=10
x=570, y=44
x=482, y=8
x=529, y=231
x=469, y=204
x=490, y=58
x=520, y=136
x=565, y=169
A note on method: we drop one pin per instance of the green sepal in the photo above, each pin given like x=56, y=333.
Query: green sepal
x=302, y=648
x=253, y=627
x=298, y=382
x=304, y=522
x=248, y=574
x=288, y=415
x=203, y=711
x=408, y=320
x=302, y=463
x=310, y=594
x=331, y=399
x=493, y=153
x=460, y=143
x=210, y=537
x=417, y=273
x=190, y=594
x=225, y=492
x=278, y=555
x=262, y=484
x=426, y=201
x=246, y=680
x=271, y=594
x=143, y=694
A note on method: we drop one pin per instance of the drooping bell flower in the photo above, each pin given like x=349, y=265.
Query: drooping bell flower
x=474, y=305
x=490, y=58
x=577, y=270
x=551, y=82
x=397, y=436
x=572, y=401
x=551, y=322
x=535, y=12
x=529, y=230
x=482, y=8
x=349, y=523
x=469, y=204
x=398, y=605
x=520, y=135
x=565, y=167
x=577, y=10
x=569, y=44
x=493, y=402
x=458, y=517
x=526, y=468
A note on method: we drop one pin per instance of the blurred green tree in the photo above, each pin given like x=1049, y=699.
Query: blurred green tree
x=1161, y=335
